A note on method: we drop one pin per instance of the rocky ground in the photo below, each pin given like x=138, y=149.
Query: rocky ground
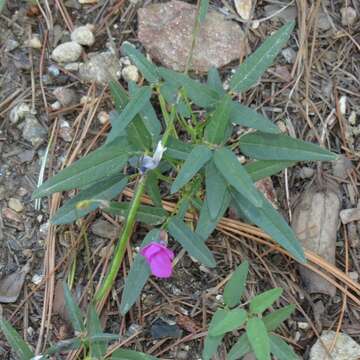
x=55, y=62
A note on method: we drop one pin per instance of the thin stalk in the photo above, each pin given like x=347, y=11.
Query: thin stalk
x=123, y=240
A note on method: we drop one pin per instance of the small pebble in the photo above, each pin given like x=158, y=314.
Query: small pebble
x=103, y=117
x=303, y=325
x=53, y=70
x=352, y=118
x=349, y=215
x=289, y=55
x=342, y=104
x=306, y=172
x=11, y=215
x=354, y=275
x=65, y=131
x=10, y=45
x=32, y=131
x=43, y=230
x=72, y=66
x=88, y=1
x=56, y=105
x=15, y=204
x=348, y=15
x=130, y=73
x=19, y=112
x=83, y=35
x=37, y=279
x=65, y=96
x=34, y=43
x=67, y=52
x=125, y=61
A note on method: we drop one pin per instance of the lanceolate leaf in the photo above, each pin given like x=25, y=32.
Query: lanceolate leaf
x=204, y=5
x=105, y=161
x=275, y=318
x=214, y=81
x=236, y=285
x=235, y=174
x=245, y=116
x=216, y=130
x=272, y=223
x=148, y=69
x=15, y=340
x=191, y=242
x=102, y=190
x=97, y=347
x=212, y=342
x=206, y=224
x=124, y=354
x=264, y=300
x=250, y=71
x=241, y=348
x=119, y=95
x=281, y=349
x=263, y=146
x=147, y=214
x=263, y=168
x=177, y=149
x=215, y=189
x=233, y=320
x=73, y=310
x=152, y=188
x=197, y=158
x=258, y=338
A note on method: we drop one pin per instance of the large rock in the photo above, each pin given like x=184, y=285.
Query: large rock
x=166, y=30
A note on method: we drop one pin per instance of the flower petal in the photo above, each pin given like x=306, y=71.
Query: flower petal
x=150, y=250
x=161, y=265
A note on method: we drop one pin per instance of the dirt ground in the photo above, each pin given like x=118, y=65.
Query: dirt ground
x=311, y=92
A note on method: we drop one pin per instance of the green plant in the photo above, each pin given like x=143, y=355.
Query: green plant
x=256, y=327
x=89, y=336
x=191, y=138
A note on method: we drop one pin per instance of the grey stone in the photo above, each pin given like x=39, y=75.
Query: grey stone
x=15, y=204
x=66, y=96
x=83, y=35
x=32, y=131
x=67, y=52
x=101, y=67
x=166, y=29
x=348, y=15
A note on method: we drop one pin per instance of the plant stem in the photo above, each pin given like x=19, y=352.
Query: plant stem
x=123, y=240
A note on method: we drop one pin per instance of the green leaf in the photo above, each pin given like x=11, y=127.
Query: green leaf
x=148, y=69
x=177, y=149
x=191, y=242
x=138, y=135
x=250, y=71
x=121, y=120
x=281, y=349
x=275, y=318
x=204, y=5
x=235, y=287
x=152, y=188
x=206, y=225
x=124, y=354
x=263, y=301
x=258, y=338
x=212, y=342
x=197, y=158
x=214, y=81
x=235, y=174
x=233, y=320
x=147, y=214
x=245, y=116
x=263, y=168
x=119, y=95
x=215, y=189
x=2, y=5
x=241, y=347
x=263, y=146
x=216, y=130
x=21, y=348
x=105, y=161
x=76, y=318
x=272, y=223
x=102, y=190
x=199, y=93
x=64, y=345
x=98, y=346
x=170, y=93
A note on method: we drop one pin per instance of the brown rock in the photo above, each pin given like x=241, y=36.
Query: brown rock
x=166, y=32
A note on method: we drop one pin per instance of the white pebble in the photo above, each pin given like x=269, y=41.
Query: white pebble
x=34, y=43
x=67, y=52
x=342, y=104
x=56, y=105
x=348, y=15
x=130, y=73
x=37, y=279
x=103, y=117
x=83, y=35
x=19, y=112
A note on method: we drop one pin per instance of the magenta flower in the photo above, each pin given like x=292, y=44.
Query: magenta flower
x=159, y=257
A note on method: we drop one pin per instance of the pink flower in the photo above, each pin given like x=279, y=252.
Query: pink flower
x=159, y=257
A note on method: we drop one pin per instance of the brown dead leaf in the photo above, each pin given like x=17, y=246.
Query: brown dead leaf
x=11, y=285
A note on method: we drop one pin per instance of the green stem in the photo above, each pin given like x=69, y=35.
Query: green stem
x=123, y=240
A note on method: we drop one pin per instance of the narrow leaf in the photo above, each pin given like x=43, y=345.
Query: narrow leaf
x=275, y=318
x=235, y=174
x=235, y=287
x=281, y=349
x=138, y=135
x=119, y=95
x=16, y=342
x=241, y=347
x=191, y=242
x=97, y=346
x=147, y=68
x=245, y=116
x=73, y=310
x=233, y=320
x=92, y=197
x=212, y=342
x=147, y=214
x=64, y=345
x=263, y=301
x=152, y=188
x=197, y=158
x=204, y=5
x=177, y=149
x=258, y=338
x=216, y=131
x=214, y=81
x=124, y=354
x=250, y=71
x=263, y=146
x=272, y=223
x=263, y=168
x=105, y=161
x=215, y=189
